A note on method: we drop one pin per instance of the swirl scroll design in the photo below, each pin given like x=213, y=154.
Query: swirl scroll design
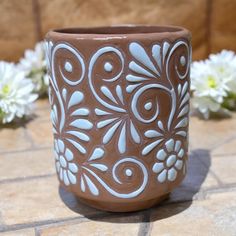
x=128, y=173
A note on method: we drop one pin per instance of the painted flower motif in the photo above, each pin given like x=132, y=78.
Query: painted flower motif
x=75, y=133
x=64, y=165
x=116, y=122
x=170, y=161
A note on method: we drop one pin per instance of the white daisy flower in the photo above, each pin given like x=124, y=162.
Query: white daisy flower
x=169, y=161
x=224, y=64
x=205, y=82
x=34, y=65
x=64, y=165
x=16, y=93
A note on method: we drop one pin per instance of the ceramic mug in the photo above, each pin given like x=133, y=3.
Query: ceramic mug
x=119, y=107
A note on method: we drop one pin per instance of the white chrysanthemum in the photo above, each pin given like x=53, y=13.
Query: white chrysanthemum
x=205, y=82
x=205, y=105
x=224, y=64
x=34, y=65
x=16, y=95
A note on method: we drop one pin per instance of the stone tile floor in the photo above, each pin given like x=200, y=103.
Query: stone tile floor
x=32, y=204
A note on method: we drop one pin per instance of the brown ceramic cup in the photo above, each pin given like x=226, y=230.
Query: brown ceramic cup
x=120, y=105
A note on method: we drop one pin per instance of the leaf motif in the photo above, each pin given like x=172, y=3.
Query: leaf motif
x=140, y=55
x=109, y=134
x=122, y=140
x=150, y=147
x=75, y=98
x=156, y=53
x=100, y=167
x=134, y=78
x=106, y=122
x=179, y=89
x=182, y=133
x=132, y=87
x=93, y=189
x=106, y=91
x=100, y=112
x=79, y=135
x=139, y=69
x=184, y=90
x=82, y=124
x=98, y=153
x=160, y=125
x=184, y=110
x=120, y=94
x=134, y=133
x=182, y=123
x=185, y=99
x=81, y=112
x=82, y=185
x=64, y=94
x=77, y=145
x=152, y=134
x=165, y=49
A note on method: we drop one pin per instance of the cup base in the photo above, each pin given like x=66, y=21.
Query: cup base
x=124, y=207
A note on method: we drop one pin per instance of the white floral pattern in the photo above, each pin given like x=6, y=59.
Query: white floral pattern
x=65, y=166
x=169, y=161
x=113, y=116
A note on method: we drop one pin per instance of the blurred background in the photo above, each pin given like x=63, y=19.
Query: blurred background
x=24, y=22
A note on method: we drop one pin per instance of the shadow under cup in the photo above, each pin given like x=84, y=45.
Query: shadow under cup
x=120, y=111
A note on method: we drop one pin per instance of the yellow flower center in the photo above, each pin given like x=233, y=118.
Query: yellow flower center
x=6, y=89
x=221, y=69
x=211, y=82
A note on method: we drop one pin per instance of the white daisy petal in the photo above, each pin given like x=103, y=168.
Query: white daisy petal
x=56, y=146
x=161, y=155
x=66, y=180
x=71, y=177
x=179, y=164
x=162, y=176
x=61, y=174
x=68, y=155
x=177, y=145
x=172, y=173
x=61, y=145
x=62, y=161
x=57, y=166
x=181, y=153
x=170, y=145
x=73, y=167
x=157, y=167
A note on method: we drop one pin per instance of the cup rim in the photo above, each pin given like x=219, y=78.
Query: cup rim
x=119, y=31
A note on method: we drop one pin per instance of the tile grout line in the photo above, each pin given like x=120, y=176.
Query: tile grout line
x=27, y=150
x=28, y=178
x=144, y=228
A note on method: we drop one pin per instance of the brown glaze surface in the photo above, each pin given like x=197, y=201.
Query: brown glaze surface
x=119, y=98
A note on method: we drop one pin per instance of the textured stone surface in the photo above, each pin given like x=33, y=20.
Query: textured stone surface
x=17, y=28
x=27, y=164
x=216, y=215
x=24, y=232
x=14, y=138
x=211, y=134
x=40, y=133
x=36, y=200
x=103, y=227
